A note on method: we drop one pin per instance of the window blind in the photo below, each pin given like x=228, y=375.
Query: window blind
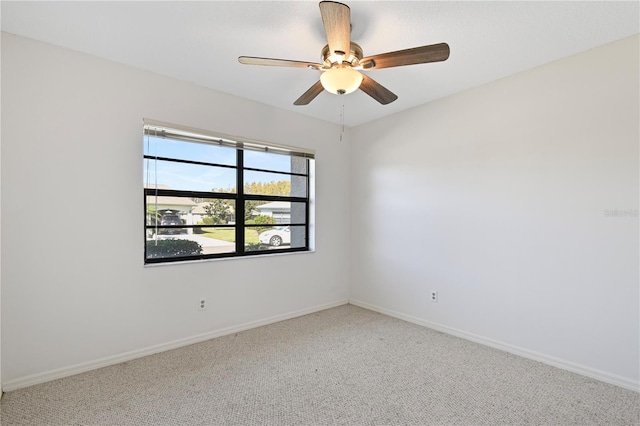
x=174, y=131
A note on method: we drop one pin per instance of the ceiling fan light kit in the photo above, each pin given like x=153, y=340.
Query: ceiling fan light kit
x=341, y=80
x=342, y=60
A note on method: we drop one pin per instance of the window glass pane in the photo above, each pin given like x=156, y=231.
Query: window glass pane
x=180, y=245
x=214, y=211
x=275, y=212
x=188, y=177
x=159, y=247
x=278, y=238
x=251, y=238
x=275, y=162
x=217, y=240
x=193, y=151
x=263, y=183
x=164, y=214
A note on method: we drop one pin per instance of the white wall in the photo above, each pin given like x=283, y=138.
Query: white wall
x=496, y=198
x=0, y=255
x=74, y=286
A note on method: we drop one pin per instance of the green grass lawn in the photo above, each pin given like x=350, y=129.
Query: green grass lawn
x=229, y=234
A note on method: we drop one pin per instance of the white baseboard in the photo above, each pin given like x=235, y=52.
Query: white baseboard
x=60, y=373
x=593, y=373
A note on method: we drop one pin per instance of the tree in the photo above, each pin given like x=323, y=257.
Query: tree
x=249, y=207
x=219, y=210
x=282, y=187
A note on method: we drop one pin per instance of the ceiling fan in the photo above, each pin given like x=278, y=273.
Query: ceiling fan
x=342, y=60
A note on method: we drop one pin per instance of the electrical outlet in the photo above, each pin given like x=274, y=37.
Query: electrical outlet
x=202, y=304
x=434, y=296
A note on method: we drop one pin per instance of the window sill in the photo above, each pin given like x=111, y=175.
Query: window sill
x=219, y=259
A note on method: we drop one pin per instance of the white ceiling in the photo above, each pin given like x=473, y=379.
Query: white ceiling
x=201, y=41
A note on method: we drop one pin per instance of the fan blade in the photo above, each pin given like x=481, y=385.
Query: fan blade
x=417, y=55
x=250, y=60
x=377, y=91
x=310, y=94
x=336, y=18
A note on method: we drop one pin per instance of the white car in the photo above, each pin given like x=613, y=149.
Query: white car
x=276, y=237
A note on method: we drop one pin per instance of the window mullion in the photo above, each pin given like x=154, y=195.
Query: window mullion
x=307, y=207
x=240, y=204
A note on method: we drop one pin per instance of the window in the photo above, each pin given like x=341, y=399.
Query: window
x=211, y=196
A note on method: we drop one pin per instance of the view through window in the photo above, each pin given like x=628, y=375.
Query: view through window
x=208, y=196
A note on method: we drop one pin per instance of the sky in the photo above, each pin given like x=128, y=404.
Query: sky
x=196, y=177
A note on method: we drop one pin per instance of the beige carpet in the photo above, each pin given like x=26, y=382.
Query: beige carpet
x=342, y=366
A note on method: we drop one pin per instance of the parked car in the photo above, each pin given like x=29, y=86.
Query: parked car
x=276, y=237
x=168, y=220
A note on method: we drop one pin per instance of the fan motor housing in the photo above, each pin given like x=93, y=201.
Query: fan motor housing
x=354, y=57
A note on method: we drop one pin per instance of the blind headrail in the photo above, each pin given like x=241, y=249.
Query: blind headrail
x=174, y=131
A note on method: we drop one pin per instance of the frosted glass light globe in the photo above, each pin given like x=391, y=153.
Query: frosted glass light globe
x=341, y=80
